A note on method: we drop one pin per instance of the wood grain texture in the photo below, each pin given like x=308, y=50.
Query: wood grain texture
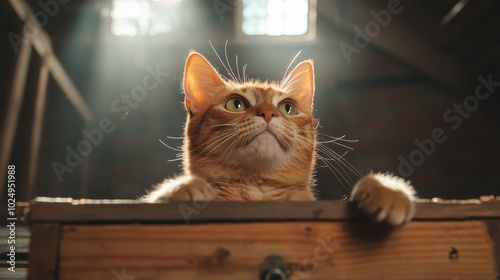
x=494, y=230
x=44, y=251
x=313, y=250
x=67, y=210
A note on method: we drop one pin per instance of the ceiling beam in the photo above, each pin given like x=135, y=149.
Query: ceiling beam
x=41, y=43
x=398, y=39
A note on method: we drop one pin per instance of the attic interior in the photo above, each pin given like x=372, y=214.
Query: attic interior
x=400, y=77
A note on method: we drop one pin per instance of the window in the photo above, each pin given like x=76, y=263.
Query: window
x=144, y=17
x=278, y=17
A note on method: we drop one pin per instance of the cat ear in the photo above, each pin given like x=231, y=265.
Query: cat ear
x=201, y=80
x=300, y=84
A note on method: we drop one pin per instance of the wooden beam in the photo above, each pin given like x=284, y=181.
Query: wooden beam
x=14, y=108
x=37, y=128
x=41, y=43
x=68, y=88
x=398, y=41
x=450, y=34
x=60, y=210
x=454, y=11
x=310, y=250
x=44, y=251
x=494, y=230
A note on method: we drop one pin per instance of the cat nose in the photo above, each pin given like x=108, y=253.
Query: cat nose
x=267, y=114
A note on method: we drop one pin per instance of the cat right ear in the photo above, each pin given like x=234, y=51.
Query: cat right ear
x=201, y=80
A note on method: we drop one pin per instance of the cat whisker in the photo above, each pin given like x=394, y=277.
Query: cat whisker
x=341, y=138
x=288, y=68
x=179, y=149
x=225, y=139
x=229, y=64
x=212, y=141
x=335, y=171
x=288, y=86
x=339, y=158
x=231, y=146
x=225, y=78
x=336, y=143
x=340, y=173
x=223, y=124
x=228, y=72
x=176, y=137
x=172, y=148
x=244, y=73
x=178, y=157
x=238, y=69
x=334, y=140
x=332, y=156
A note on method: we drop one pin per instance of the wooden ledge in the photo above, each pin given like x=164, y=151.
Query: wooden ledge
x=102, y=239
x=67, y=210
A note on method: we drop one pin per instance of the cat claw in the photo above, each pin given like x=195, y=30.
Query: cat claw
x=385, y=198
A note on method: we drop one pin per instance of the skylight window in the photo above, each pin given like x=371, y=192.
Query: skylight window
x=143, y=17
x=276, y=17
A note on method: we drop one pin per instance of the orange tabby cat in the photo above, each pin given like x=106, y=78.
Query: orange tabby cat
x=253, y=140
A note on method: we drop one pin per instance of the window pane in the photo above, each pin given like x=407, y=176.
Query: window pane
x=275, y=17
x=144, y=17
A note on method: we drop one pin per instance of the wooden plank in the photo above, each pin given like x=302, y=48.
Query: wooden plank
x=494, y=230
x=312, y=250
x=37, y=128
x=50, y=210
x=68, y=87
x=14, y=108
x=41, y=43
x=44, y=251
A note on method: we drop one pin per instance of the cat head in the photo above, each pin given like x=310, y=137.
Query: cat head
x=258, y=126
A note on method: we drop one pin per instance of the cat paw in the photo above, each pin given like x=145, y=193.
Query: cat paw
x=185, y=188
x=385, y=198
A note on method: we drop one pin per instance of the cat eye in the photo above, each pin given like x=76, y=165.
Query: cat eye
x=287, y=108
x=236, y=104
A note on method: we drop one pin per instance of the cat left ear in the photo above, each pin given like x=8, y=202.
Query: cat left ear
x=300, y=84
x=201, y=80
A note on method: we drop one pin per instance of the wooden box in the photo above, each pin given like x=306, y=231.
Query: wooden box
x=72, y=240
